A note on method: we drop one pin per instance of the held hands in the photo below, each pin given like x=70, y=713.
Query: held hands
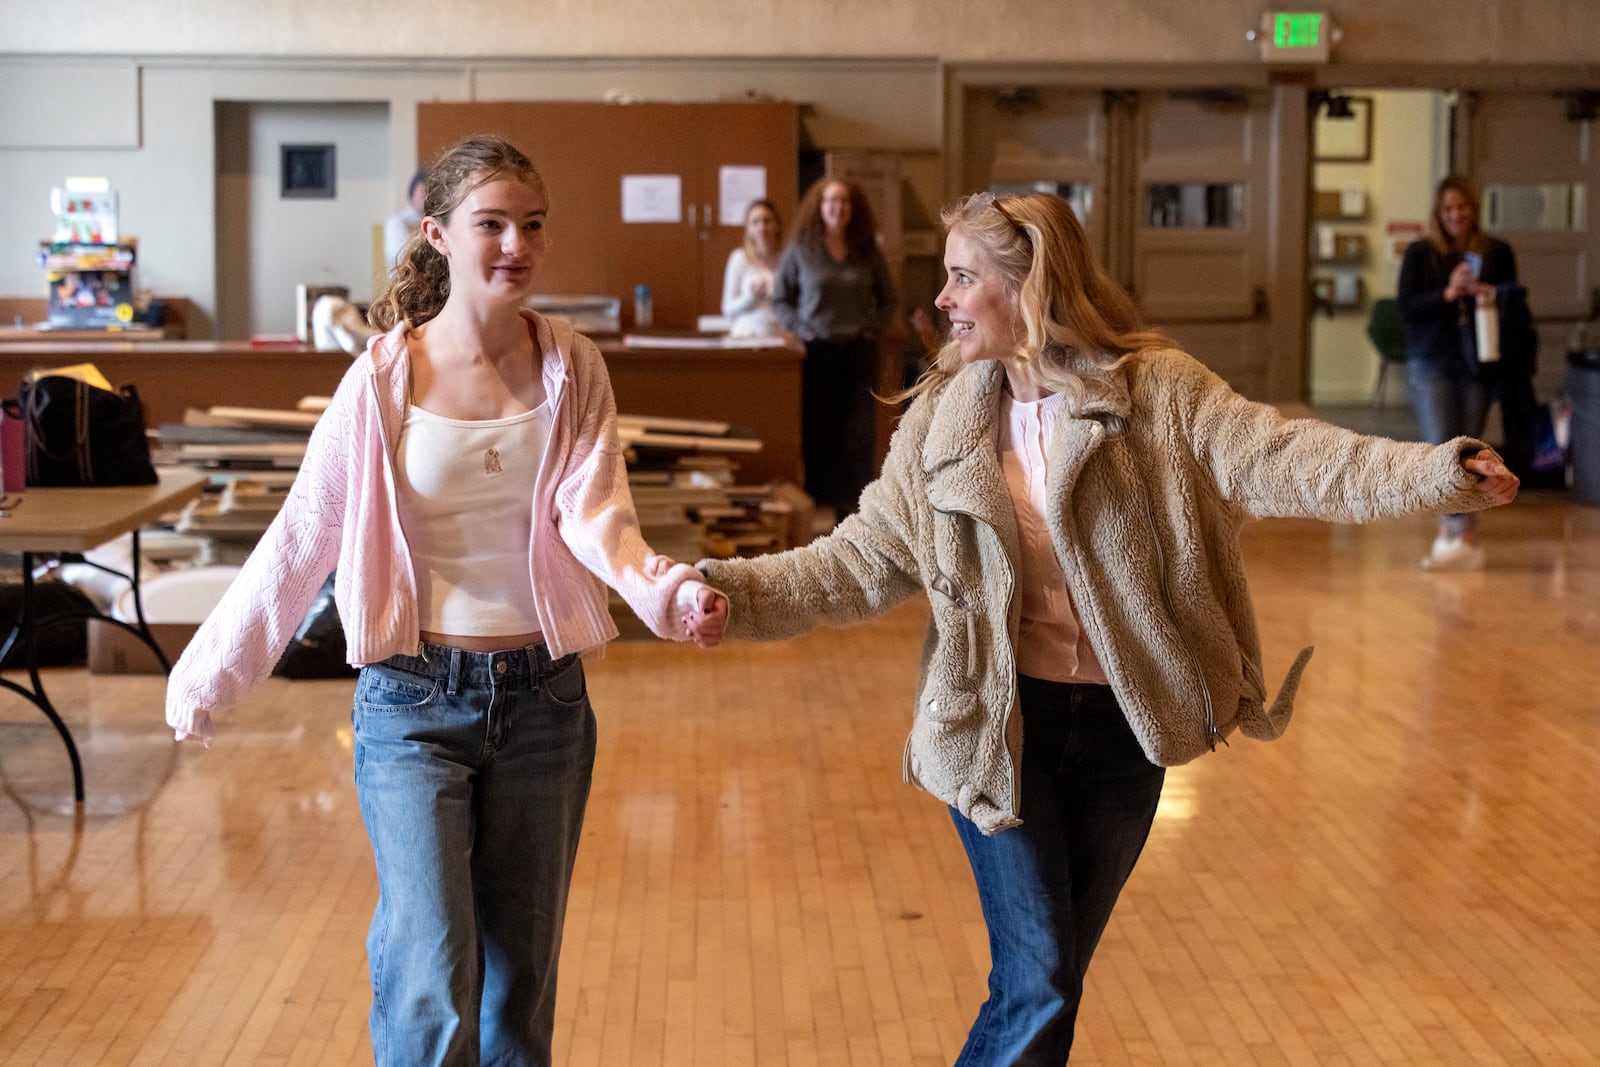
x=705, y=625
x=705, y=619
x=1494, y=479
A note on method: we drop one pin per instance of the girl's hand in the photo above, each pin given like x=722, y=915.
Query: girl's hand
x=1494, y=478
x=705, y=625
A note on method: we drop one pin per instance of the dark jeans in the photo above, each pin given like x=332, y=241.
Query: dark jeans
x=472, y=772
x=1048, y=886
x=1449, y=404
x=838, y=420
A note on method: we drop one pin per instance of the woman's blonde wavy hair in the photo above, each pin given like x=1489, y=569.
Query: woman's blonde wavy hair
x=419, y=285
x=1076, y=321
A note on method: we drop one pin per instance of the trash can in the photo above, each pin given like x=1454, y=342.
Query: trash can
x=1583, y=446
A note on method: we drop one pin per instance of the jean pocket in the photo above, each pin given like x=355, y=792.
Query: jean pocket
x=568, y=688
x=383, y=688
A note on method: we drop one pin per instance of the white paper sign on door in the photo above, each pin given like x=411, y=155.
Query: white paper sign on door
x=737, y=186
x=652, y=198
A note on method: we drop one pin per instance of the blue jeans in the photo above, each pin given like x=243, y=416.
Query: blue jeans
x=1449, y=404
x=472, y=769
x=1048, y=886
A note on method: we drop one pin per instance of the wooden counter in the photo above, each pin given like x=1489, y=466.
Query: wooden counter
x=173, y=376
x=758, y=389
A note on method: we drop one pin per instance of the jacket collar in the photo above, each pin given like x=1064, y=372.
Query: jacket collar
x=965, y=415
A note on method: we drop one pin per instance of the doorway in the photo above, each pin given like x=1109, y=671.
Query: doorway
x=1374, y=170
x=1376, y=156
x=302, y=192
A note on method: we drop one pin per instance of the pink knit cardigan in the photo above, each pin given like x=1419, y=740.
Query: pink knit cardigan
x=340, y=513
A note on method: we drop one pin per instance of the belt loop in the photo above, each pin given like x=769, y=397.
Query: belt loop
x=455, y=672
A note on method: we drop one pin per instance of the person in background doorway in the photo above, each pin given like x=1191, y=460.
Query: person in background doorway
x=404, y=224
x=1068, y=489
x=747, y=281
x=1443, y=277
x=833, y=291
x=468, y=481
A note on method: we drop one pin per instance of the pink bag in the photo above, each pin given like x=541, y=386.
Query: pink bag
x=13, y=446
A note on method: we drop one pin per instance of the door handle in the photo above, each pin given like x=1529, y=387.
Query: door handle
x=691, y=215
x=1258, y=303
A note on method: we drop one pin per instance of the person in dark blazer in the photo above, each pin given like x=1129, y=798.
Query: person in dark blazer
x=1443, y=277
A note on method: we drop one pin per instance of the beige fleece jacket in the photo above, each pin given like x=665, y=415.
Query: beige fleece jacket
x=1150, y=483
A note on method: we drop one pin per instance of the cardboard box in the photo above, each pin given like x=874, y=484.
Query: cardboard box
x=113, y=650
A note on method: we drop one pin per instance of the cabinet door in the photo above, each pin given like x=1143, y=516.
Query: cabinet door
x=763, y=134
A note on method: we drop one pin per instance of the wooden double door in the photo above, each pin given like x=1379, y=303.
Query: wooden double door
x=1189, y=197
x=584, y=150
x=1534, y=158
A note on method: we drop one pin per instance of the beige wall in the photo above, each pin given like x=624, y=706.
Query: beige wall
x=1448, y=31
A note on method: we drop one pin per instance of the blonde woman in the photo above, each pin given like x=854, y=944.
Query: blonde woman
x=1068, y=489
x=747, y=281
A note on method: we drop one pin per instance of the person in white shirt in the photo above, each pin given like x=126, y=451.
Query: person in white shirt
x=468, y=482
x=747, y=282
x=404, y=224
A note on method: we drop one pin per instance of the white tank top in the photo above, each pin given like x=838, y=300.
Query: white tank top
x=465, y=492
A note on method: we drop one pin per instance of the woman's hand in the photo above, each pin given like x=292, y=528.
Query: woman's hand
x=1463, y=282
x=705, y=625
x=1494, y=478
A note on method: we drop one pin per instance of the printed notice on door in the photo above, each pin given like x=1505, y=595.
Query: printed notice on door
x=652, y=198
x=737, y=187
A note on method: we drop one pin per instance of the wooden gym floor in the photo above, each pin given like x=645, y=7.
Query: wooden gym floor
x=1411, y=876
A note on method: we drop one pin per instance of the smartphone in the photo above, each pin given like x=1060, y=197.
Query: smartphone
x=1474, y=261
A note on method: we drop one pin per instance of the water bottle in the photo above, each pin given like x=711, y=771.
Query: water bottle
x=643, y=308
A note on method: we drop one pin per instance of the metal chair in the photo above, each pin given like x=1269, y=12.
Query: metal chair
x=1387, y=334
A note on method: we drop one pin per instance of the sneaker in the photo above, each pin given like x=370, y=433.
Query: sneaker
x=1454, y=553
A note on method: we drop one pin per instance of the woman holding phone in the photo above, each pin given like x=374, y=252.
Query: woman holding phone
x=1443, y=277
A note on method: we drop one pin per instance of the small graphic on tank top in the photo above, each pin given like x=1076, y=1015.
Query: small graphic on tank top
x=491, y=461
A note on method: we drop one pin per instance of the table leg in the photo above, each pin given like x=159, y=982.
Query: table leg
x=26, y=631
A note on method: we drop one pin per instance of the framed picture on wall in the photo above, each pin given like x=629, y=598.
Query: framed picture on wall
x=307, y=171
x=1343, y=131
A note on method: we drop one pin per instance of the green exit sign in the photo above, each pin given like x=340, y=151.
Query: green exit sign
x=1297, y=29
x=1295, y=36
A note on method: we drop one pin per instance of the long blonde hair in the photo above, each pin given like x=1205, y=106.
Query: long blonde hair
x=420, y=282
x=1076, y=320
x=767, y=257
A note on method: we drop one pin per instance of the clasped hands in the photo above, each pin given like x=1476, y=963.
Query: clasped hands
x=705, y=621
